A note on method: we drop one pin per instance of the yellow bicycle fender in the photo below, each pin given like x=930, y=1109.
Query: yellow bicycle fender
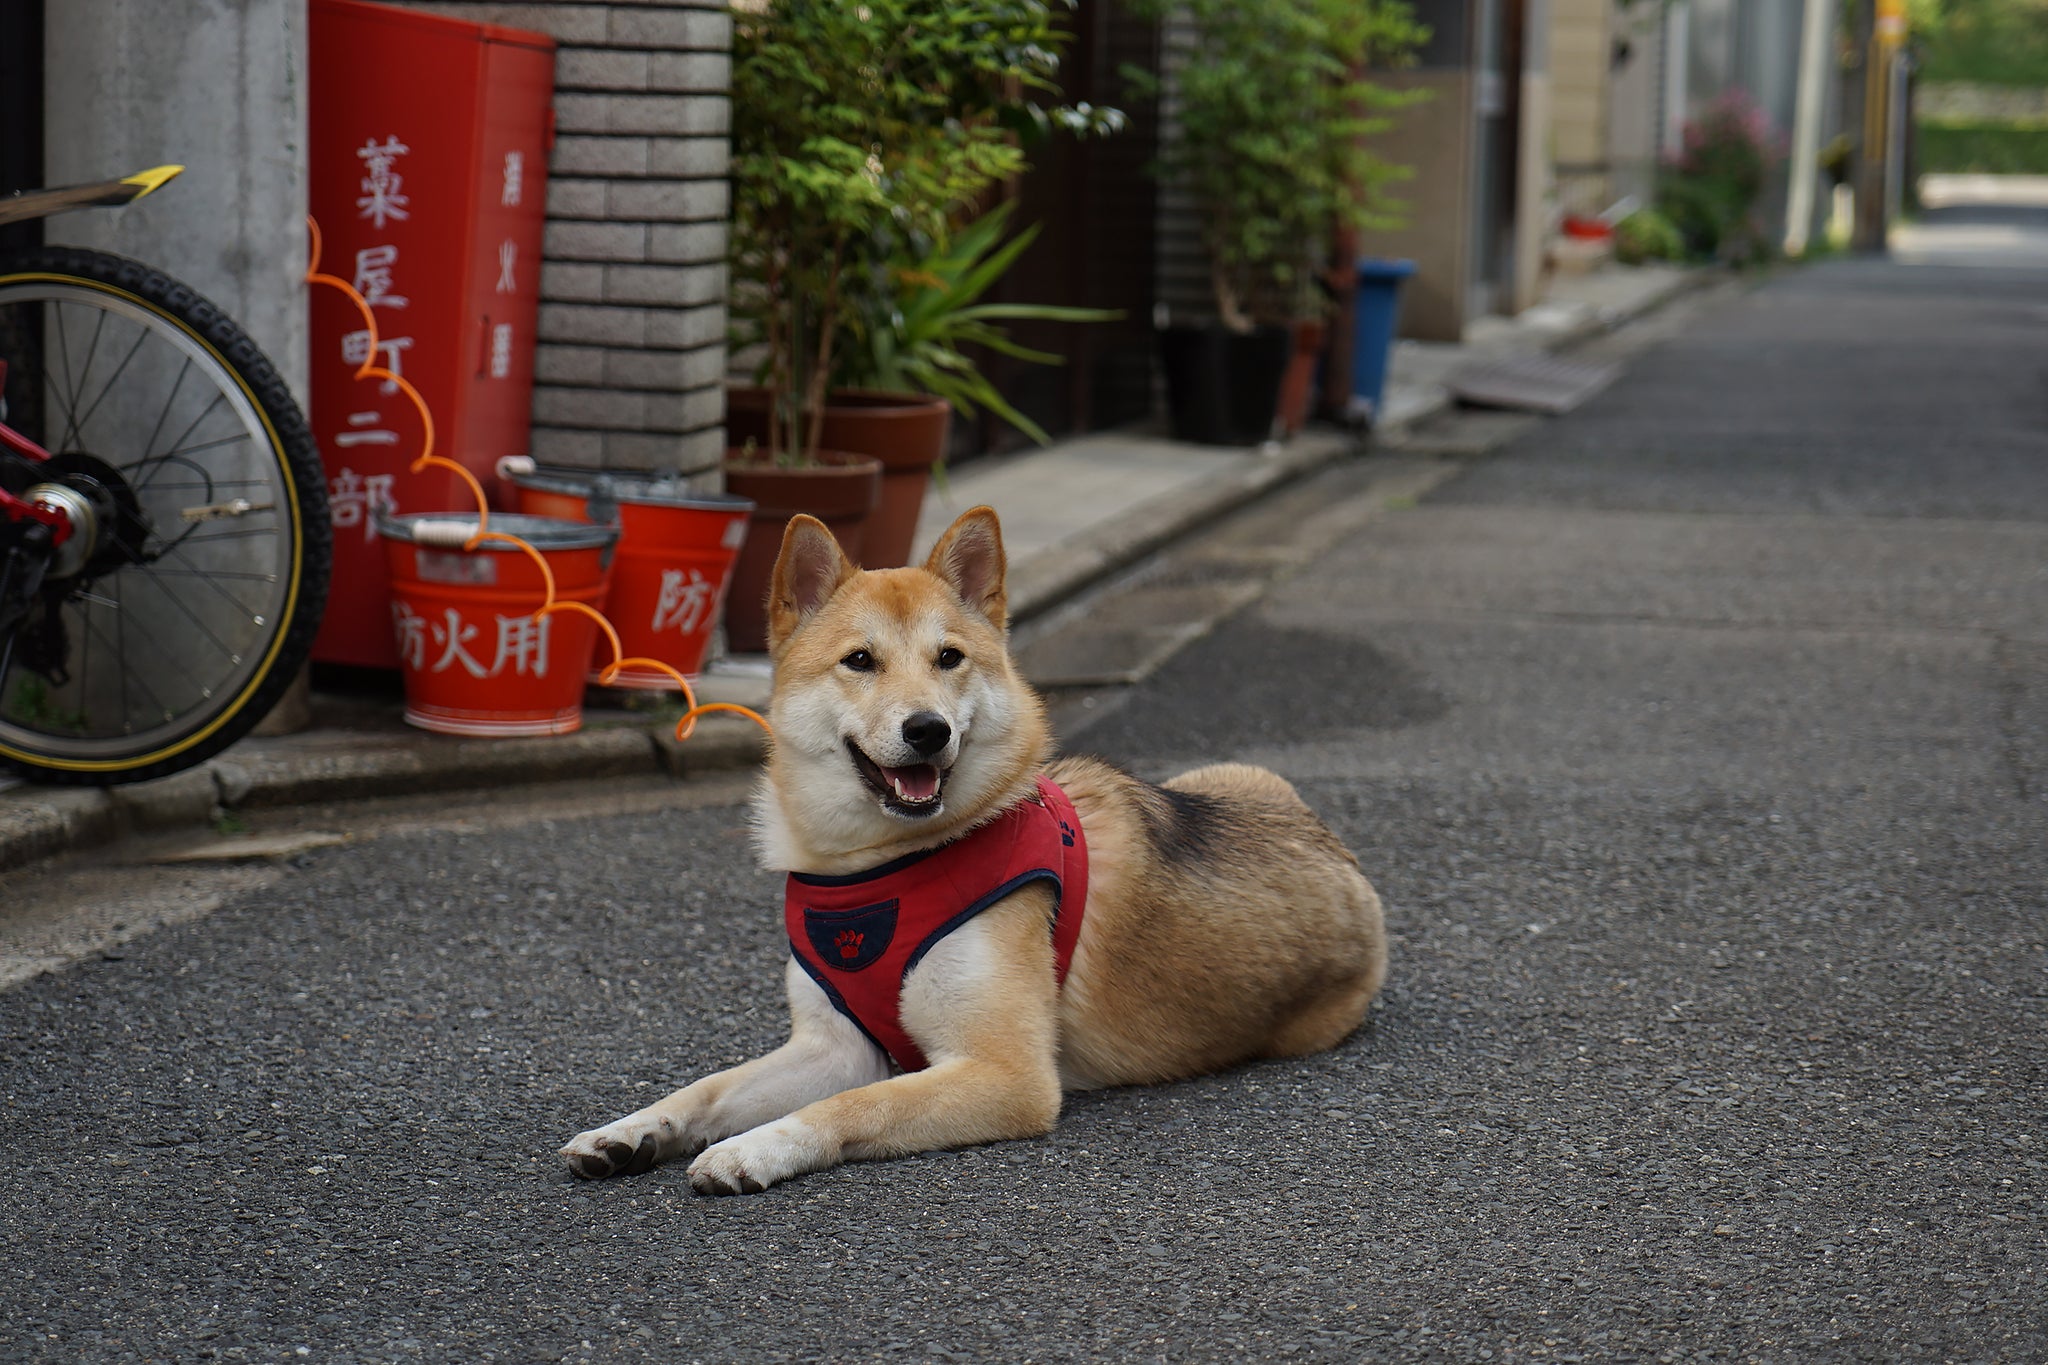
x=152, y=179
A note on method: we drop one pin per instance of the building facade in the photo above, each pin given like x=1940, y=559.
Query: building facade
x=630, y=357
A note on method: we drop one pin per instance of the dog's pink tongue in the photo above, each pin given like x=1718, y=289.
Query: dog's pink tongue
x=919, y=782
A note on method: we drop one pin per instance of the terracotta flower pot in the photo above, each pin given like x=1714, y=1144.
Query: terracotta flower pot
x=905, y=431
x=840, y=490
x=1298, y=385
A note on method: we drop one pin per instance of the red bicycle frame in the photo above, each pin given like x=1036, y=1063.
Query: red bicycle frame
x=20, y=509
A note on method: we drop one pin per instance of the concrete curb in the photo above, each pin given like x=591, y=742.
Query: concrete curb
x=1045, y=580
x=347, y=765
x=40, y=822
x=44, y=822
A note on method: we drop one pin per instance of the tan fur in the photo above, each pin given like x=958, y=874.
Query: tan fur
x=1224, y=921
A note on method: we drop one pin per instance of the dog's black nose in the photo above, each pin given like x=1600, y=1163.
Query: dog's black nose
x=926, y=732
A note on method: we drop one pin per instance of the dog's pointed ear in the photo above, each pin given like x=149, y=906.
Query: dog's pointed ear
x=808, y=571
x=969, y=557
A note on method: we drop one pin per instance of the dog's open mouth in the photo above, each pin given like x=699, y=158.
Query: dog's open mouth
x=911, y=790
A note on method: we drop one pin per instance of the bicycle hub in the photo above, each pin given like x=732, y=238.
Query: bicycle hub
x=86, y=507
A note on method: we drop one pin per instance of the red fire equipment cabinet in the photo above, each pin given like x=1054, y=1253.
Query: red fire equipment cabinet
x=428, y=153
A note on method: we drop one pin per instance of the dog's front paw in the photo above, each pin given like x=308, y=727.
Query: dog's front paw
x=626, y=1147
x=751, y=1162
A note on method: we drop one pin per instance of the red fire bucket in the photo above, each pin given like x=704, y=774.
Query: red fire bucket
x=474, y=660
x=676, y=552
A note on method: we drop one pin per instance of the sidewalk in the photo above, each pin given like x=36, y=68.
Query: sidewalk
x=1072, y=513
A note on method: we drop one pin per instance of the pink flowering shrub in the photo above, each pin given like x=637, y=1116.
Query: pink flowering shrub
x=1712, y=185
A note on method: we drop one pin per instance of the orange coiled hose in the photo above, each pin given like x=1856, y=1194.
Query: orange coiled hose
x=369, y=369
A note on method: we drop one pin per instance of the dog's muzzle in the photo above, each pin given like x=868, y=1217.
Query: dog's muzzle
x=912, y=789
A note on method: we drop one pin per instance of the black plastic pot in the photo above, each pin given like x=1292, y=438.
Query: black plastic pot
x=1223, y=387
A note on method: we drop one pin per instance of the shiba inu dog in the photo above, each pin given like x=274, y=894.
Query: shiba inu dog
x=1084, y=928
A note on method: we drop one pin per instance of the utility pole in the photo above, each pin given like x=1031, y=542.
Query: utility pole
x=1882, y=23
x=1816, y=46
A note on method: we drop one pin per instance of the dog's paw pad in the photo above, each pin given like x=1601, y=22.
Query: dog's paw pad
x=726, y=1178
x=596, y=1155
x=753, y=1161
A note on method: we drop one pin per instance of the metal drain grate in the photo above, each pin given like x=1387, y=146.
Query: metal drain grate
x=1537, y=383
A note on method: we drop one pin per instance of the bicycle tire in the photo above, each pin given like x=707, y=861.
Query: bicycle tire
x=272, y=610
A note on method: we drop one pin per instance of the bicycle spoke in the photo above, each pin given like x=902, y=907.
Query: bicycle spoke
x=159, y=462
x=74, y=426
x=191, y=536
x=221, y=537
x=188, y=540
x=64, y=388
x=207, y=578
x=242, y=575
x=207, y=486
x=169, y=399
x=130, y=620
x=227, y=651
x=210, y=485
x=84, y=662
x=113, y=379
x=126, y=674
x=121, y=659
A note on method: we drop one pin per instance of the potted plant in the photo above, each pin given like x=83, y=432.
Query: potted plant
x=1271, y=116
x=857, y=129
x=918, y=336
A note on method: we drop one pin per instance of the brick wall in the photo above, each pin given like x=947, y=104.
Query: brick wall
x=631, y=365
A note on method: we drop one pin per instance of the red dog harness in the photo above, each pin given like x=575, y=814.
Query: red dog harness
x=860, y=936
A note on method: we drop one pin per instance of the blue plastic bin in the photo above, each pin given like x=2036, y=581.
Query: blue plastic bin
x=1374, y=314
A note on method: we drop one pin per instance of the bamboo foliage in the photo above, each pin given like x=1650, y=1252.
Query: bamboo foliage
x=1273, y=119
x=856, y=127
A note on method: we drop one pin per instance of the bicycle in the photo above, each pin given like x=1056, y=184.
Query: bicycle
x=164, y=537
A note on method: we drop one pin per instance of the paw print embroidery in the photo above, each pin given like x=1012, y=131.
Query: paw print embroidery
x=849, y=941
x=1066, y=834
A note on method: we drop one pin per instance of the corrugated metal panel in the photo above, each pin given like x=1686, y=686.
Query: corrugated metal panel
x=1182, y=272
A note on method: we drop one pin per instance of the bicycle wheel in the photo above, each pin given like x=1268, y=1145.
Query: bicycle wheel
x=201, y=594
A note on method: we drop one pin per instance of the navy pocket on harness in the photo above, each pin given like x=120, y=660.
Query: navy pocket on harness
x=848, y=940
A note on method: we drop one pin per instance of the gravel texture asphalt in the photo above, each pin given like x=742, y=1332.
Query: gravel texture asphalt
x=1698, y=743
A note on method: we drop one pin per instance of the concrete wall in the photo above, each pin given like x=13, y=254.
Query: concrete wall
x=221, y=88
x=1535, y=193
x=631, y=367
x=1635, y=105
x=1581, y=48
x=1436, y=138
x=1535, y=173
x=631, y=361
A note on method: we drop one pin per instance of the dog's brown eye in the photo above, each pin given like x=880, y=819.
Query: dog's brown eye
x=860, y=661
x=950, y=657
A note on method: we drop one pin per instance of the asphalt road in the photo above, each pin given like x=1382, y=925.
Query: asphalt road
x=1698, y=743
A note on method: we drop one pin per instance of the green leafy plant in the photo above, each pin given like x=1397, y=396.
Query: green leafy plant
x=934, y=314
x=32, y=706
x=1713, y=183
x=1993, y=42
x=1273, y=115
x=1647, y=235
x=855, y=126
x=1982, y=147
